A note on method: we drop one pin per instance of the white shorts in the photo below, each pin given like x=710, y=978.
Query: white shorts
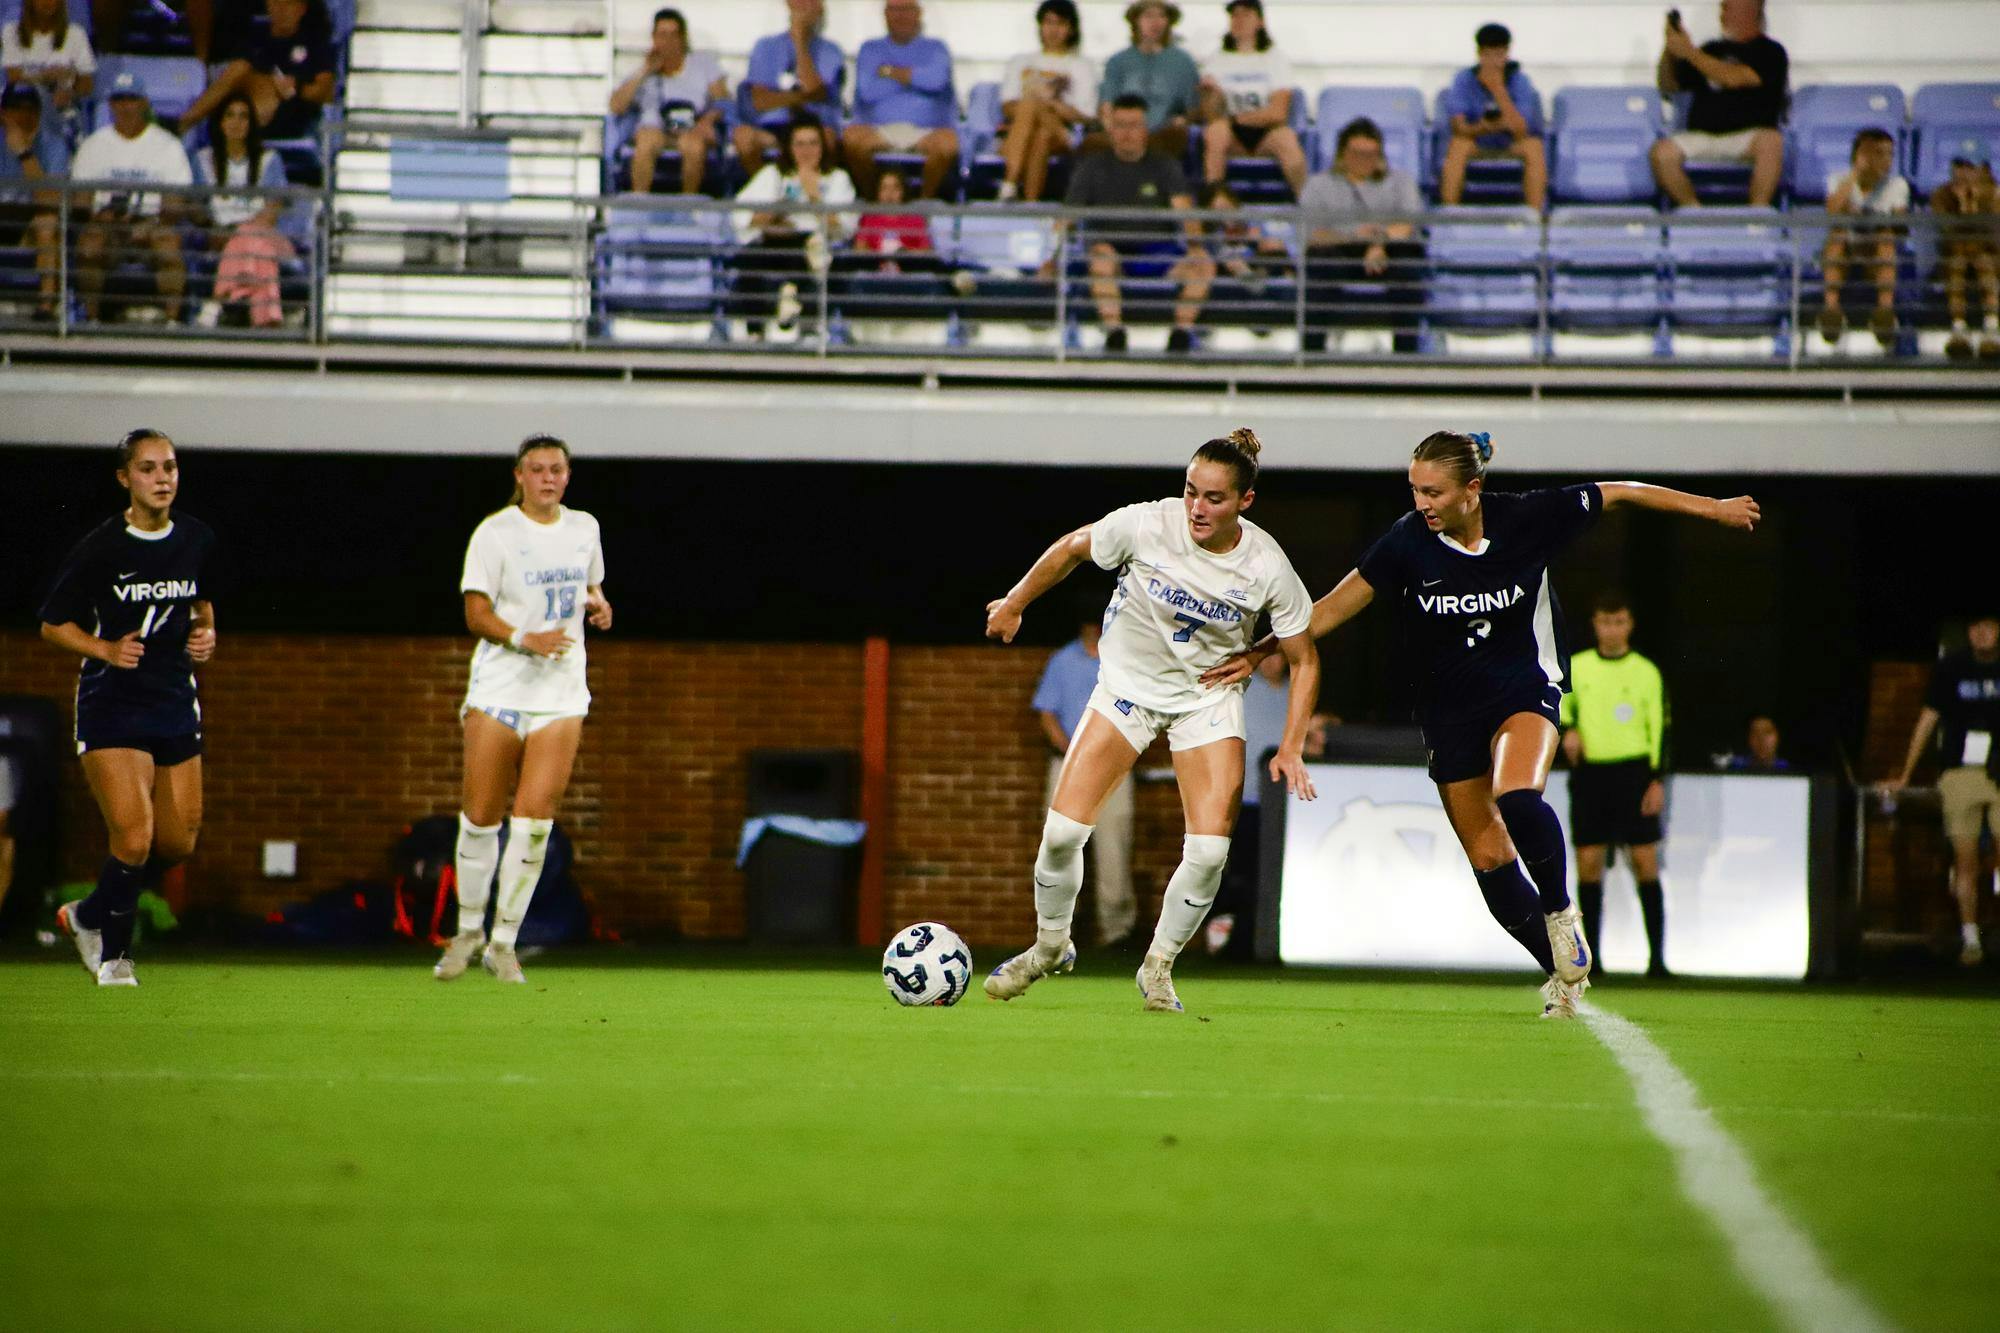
x=522, y=724
x=1700, y=147
x=901, y=136
x=1220, y=720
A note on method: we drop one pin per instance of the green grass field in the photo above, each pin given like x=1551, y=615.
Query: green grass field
x=265, y=1142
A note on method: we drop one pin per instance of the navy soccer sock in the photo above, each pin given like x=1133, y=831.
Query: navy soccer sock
x=111, y=905
x=1514, y=904
x=1590, y=900
x=1653, y=905
x=1538, y=836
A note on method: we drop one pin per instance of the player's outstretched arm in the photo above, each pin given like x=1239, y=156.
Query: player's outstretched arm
x=1349, y=598
x=1739, y=512
x=1288, y=765
x=1003, y=617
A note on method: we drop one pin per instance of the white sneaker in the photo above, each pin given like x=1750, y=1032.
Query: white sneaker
x=1156, y=983
x=458, y=955
x=89, y=943
x=1013, y=977
x=1560, y=998
x=1009, y=192
x=500, y=960
x=1566, y=942
x=789, y=309
x=116, y=972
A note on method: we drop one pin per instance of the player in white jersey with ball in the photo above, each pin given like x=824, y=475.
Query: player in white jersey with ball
x=534, y=573
x=1193, y=576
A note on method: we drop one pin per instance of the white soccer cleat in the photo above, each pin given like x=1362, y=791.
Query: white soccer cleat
x=500, y=960
x=1560, y=998
x=1013, y=977
x=1566, y=942
x=458, y=955
x=116, y=972
x=89, y=943
x=1156, y=983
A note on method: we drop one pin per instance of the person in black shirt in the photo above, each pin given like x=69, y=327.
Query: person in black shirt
x=1129, y=175
x=286, y=72
x=1738, y=86
x=1468, y=573
x=134, y=601
x=1962, y=708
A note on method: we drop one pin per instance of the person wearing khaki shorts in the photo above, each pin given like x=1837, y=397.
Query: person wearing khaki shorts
x=1962, y=706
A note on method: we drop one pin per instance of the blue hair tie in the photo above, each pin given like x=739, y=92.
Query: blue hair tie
x=1482, y=442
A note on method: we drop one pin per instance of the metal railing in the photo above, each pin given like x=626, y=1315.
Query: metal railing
x=1254, y=284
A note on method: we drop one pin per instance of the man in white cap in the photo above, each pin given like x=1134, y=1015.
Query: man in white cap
x=127, y=225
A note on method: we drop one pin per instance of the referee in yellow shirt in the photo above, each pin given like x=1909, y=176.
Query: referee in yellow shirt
x=1614, y=728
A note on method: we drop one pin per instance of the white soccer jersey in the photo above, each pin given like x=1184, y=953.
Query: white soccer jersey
x=1249, y=79
x=1178, y=609
x=537, y=575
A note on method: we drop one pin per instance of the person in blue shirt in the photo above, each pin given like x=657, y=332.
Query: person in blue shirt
x=903, y=102
x=1467, y=574
x=28, y=216
x=1065, y=688
x=791, y=71
x=1494, y=111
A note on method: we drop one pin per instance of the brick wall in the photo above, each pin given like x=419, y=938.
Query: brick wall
x=338, y=741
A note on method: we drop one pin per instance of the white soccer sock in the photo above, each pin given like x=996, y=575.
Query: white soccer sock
x=520, y=870
x=1968, y=932
x=478, y=854
x=1058, y=875
x=1190, y=893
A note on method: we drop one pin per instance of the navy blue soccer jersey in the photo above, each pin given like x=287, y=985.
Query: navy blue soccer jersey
x=1483, y=627
x=121, y=581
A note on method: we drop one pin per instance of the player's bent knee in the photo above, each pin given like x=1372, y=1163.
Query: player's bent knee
x=1062, y=834
x=1205, y=851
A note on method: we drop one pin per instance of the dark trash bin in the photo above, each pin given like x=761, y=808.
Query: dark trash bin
x=796, y=891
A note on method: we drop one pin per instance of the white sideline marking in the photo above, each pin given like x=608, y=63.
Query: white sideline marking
x=1774, y=1256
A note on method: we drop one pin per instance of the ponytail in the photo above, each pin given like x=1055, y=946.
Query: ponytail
x=1238, y=452
x=1465, y=457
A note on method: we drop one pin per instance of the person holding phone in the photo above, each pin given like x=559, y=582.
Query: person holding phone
x=1362, y=247
x=1494, y=110
x=1738, y=82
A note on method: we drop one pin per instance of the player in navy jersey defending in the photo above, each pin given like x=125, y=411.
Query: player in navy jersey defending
x=1193, y=576
x=1468, y=573
x=534, y=573
x=134, y=601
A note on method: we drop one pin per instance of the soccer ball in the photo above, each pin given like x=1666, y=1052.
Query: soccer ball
x=927, y=964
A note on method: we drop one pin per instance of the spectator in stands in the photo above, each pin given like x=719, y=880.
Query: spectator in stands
x=904, y=101
x=1061, y=698
x=1962, y=707
x=108, y=19
x=1243, y=249
x=44, y=48
x=891, y=241
x=1495, y=111
x=1159, y=72
x=131, y=225
x=680, y=95
x=1045, y=96
x=1970, y=242
x=1869, y=188
x=242, y=231
x=28, y=216
x=791, y=71
x=288, y=74
x=1760, y=749
x=1738, y=82
x=1357, y=254
x=1132, y=175
x=1247, y=100
x=791, y=245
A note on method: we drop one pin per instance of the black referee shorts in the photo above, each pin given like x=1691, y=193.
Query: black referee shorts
x=1604, y=801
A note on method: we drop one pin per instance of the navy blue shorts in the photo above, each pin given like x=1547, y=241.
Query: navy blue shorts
x=1462, y=750
x=167, y=751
